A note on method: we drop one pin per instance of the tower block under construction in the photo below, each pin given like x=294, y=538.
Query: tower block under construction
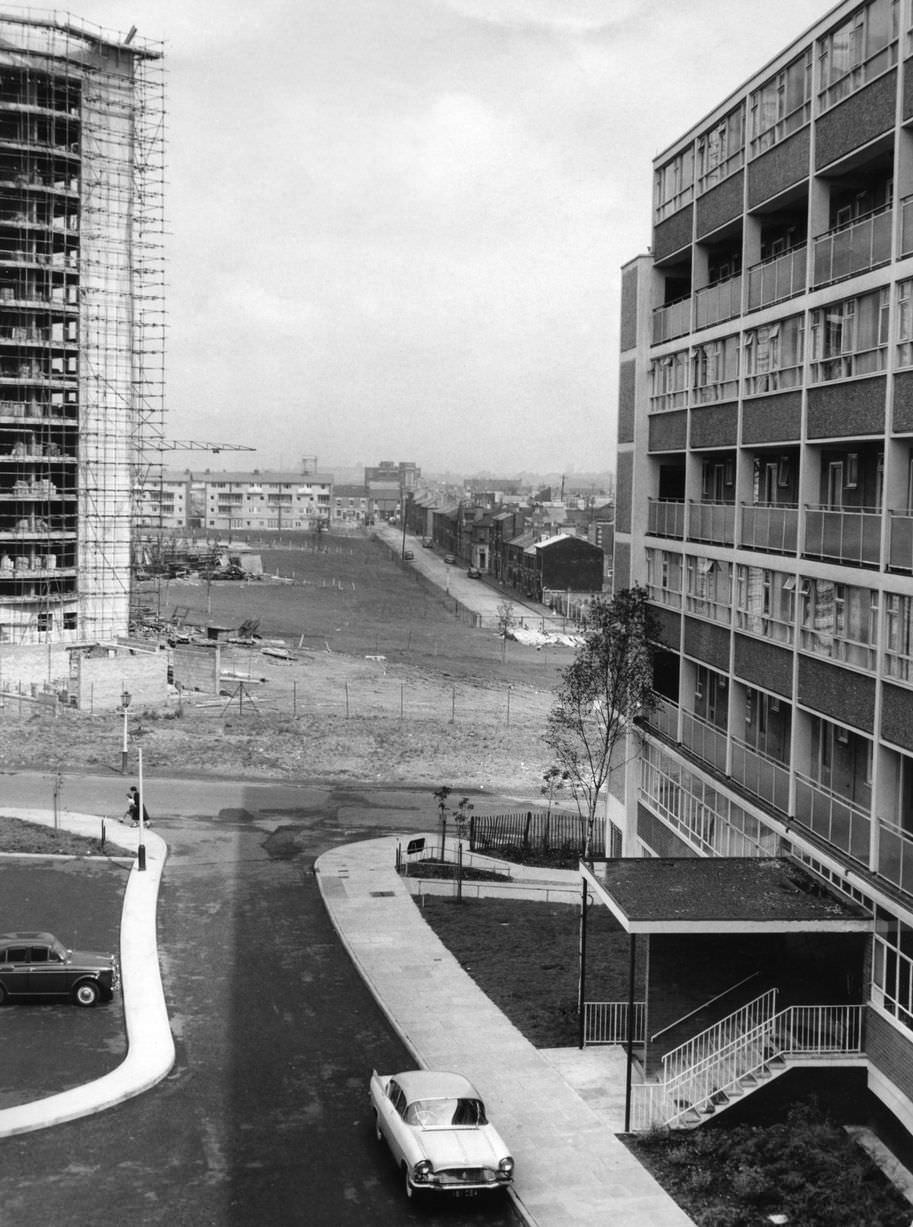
x=81, y=320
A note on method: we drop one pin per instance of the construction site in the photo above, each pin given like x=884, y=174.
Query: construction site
x=82, y=329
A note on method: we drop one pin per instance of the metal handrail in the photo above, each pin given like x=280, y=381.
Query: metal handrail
x=697, y=1009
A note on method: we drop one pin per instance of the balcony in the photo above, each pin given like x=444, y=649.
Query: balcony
x=718, y=302
x=772, y=527
x=848, y=250
x=777, y=279
x=713, y=523
x=763, y=776
x=704, y=740
x=663, y=717
x=672, y=320
x=900, y=541
x=666, y=518
x=851, y=537
x=838, y=821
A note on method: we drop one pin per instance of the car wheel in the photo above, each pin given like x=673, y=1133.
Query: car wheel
x=377, y=1129
x=2, y=995
x=86, y=993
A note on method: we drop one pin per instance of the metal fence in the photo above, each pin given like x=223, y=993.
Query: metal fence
x=532, y=830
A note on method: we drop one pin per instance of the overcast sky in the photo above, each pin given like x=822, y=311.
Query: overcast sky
x=396, y=225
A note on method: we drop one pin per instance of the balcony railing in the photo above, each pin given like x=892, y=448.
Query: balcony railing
x=834, y=818
x=663, y=717
x=704, y=740
x=773, y=527
x=761, y=775
x=852, y=537
x=717, y=302
x=853, y=249
x=900, y=541
x=895, y=854
x=774, y=280
x=711, y=522
x=672, y=320
x=666, y=518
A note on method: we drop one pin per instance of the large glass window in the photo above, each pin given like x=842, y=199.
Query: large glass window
x=716, y=370
x=898, y=647
x=773, y=356
x=840, y=621
x=781, y=105
x=904, y=324
x=858, y=50
x=850, y=337
x=669, y=381
x=892, y=966
x=674, y=184
x=721, y=149
x=709, y=587
x=664, y=577
x=765, y=602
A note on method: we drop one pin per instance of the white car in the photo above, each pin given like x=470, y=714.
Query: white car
x=436, y=1127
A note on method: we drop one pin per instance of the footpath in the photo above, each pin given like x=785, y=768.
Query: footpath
x=559, y=1110
x=150, y=1046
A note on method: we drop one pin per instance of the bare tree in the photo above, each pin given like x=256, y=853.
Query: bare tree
x=609, y=682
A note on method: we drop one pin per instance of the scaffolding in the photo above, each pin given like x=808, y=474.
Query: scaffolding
x=82, y=320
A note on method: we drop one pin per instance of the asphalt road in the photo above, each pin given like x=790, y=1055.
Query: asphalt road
x=264, y=1119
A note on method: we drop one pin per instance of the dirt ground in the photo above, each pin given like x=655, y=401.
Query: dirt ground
x=385, y=682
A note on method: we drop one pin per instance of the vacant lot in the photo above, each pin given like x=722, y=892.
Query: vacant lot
x=386, y=683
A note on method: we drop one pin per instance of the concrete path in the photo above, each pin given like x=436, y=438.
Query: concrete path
x=150, y=1046
x=557, y=1112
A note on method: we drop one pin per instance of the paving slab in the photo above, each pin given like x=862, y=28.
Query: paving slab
x=572, y=1168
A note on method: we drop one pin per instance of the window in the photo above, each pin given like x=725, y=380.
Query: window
x=858, y=50
x=892, y=966
x=773, y=356
x=669, y=381
x=904, y=324
x=720, y=150
x=715, y=370
x=664, y=577
x=850, y=337
x=674, y=184
x=765, y=603
x=898, y=631
x=781, y=105
x=709, y=587
x=840, y=621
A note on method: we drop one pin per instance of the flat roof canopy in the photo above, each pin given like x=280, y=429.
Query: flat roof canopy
x=721, y=895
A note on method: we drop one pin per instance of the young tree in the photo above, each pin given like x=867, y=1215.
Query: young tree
x=506, y=622
x=609, y=682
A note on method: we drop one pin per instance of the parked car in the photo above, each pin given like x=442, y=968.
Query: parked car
x=449, y=559
x=474, y=573
x=438, y=1133
x=37, y=965
x=427, y=543
x=408, y=555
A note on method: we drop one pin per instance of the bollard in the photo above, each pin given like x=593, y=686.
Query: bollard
x=102, y=834
x=141, y=857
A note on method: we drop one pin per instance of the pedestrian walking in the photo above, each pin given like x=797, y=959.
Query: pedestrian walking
x=132, y=814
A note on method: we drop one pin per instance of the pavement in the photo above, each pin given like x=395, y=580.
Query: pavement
x=559, y=1109
x=150, y=1046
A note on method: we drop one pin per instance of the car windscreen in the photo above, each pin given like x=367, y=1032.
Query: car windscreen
x=445, y=1113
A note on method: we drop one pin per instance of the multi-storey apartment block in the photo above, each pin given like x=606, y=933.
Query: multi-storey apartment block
x=765, y=493
x=265, y=500
x=81, y=320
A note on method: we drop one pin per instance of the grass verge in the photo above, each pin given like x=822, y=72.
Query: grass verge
x=16, y=835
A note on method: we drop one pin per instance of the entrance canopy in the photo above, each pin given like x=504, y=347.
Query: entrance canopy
x=720, y=895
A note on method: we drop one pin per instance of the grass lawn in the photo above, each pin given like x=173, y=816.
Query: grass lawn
x=19, y=836
x=524, y=956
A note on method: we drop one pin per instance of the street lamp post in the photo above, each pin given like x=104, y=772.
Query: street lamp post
x=141, y=846
x=125, y=703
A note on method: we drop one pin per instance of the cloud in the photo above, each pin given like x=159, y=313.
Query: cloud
x=566, y=16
